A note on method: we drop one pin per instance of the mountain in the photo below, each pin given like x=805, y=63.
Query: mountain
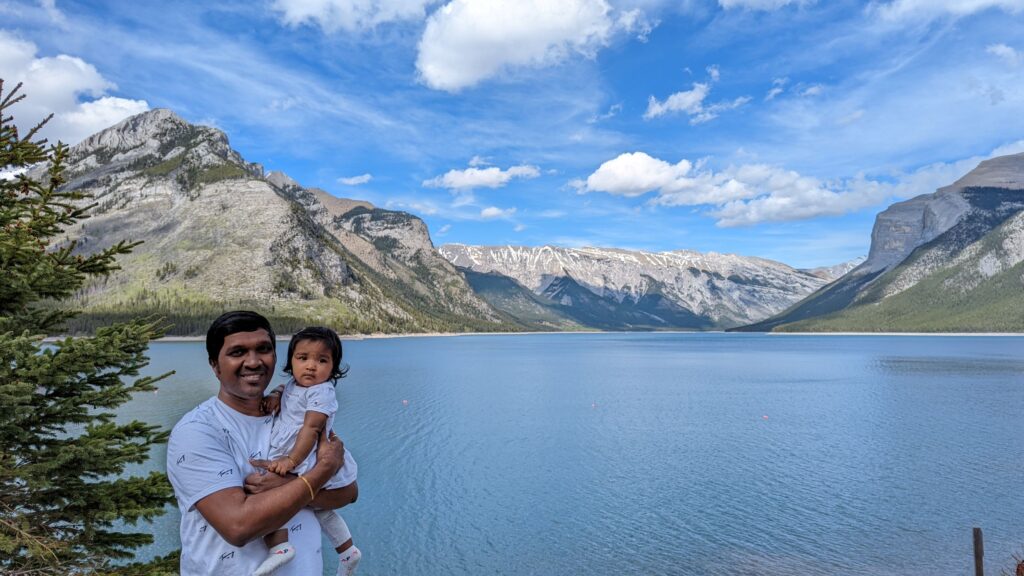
x=218, y=233
x=947, y=261
x=629, y=290
x=831, y=273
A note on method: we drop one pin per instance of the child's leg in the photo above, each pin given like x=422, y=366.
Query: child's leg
x=334, y=526
x=280, y=552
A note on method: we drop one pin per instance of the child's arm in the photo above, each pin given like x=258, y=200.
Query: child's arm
x=312, y=425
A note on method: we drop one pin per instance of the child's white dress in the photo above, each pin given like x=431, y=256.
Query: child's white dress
x=295, y=402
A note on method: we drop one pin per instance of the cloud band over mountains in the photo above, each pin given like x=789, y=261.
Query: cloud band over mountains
x=751, y=194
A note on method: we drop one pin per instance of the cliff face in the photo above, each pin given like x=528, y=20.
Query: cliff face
x=958, y=243
x=217, y=233
x=624, y=289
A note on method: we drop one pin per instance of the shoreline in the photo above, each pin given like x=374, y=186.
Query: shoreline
x=382, y=336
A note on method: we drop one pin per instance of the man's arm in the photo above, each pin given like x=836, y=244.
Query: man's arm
x=259, y=482
x=239, y=516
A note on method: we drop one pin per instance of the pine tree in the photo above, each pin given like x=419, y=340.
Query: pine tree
x=64, y=501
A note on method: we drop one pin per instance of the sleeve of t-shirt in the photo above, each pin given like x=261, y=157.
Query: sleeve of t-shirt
x=322, y=398
x=199, y=463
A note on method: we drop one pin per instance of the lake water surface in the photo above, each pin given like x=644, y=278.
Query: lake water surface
x=698, y=454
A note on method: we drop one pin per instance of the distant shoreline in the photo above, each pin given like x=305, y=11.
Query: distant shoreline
x=286, y=337
x=892, y=333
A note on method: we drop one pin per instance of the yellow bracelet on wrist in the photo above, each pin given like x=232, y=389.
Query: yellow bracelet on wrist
x=312, y=495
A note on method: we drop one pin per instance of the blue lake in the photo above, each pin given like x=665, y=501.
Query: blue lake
x=698, y=454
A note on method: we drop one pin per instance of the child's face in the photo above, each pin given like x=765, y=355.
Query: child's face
x=311, y=363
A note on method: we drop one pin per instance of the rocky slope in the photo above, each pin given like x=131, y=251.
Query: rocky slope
x=217, y=233
x=938, y=262
x=832, y=273
x=623, y=289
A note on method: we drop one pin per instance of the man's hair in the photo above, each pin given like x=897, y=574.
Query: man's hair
x=229, y=323
x=329, y=338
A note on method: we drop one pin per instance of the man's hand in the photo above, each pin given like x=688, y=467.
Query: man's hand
x=258, y=482
x=330, y=452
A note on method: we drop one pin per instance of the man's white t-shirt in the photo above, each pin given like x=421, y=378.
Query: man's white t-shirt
x=209, y=450
x=295, y=402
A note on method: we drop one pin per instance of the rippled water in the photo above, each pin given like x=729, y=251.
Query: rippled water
x=697, y=454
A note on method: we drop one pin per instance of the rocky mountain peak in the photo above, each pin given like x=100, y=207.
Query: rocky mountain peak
x=155, y=144
x=136, y=131
x=1000, y=172
x=282, y=180
x=906, y=225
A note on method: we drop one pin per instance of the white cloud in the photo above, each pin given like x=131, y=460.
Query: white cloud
x=691, y=102
x=356, y=180
x=759, y=4
x=611, y=113
x=814, y=90
x=901, y=10
x=744, y=195
x=479, y=161
x=750, y=194
x=1007, y=53
x=519, y=228
x=633, y=174
x=467, y=41
x=636, y=22
x=778, y=86
x=443, y=230
x=58, y=84
x=470, y=178
x=552, y=213
x=349, y=15
x=492, y=212
x=54, y=13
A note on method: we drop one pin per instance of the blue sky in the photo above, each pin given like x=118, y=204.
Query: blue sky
x=773, y=128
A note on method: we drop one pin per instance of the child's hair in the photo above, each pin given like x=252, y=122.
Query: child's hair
x=328, y=337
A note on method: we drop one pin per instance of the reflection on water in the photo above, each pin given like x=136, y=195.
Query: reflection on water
x=697, y=454
x=961, y=366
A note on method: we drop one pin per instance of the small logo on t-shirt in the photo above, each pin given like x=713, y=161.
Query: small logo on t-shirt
x=268, y=419
x=227, y=555
x=256, y=454
x=202, y=529
x=180, y=459
x=297, y=527
x=226, y=431
x=225, y=472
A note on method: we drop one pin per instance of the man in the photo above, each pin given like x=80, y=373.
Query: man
x=226, y=503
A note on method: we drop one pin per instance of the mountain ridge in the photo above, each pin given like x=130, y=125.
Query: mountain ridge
x=680, y=289
x=219, y=234
x=949, y=234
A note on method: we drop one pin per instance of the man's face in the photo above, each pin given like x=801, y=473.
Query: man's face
x=245, y=364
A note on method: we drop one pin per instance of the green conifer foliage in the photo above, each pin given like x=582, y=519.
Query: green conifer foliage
x=65, y=505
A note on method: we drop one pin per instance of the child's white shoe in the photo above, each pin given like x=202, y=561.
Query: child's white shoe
x=348, y=561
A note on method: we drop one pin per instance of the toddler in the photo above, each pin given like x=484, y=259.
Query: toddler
x=307, y=403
